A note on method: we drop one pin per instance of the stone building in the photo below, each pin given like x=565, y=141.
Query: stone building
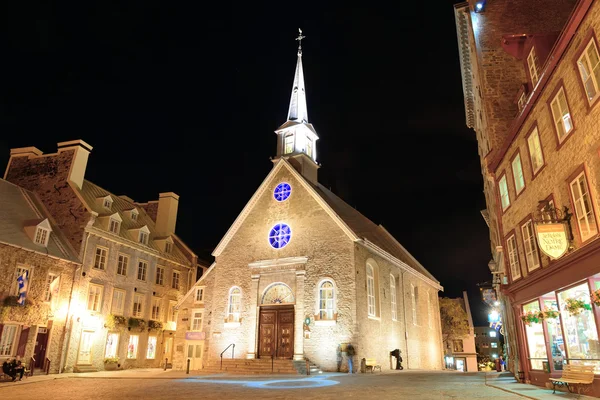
x=135, y=268
x=487, y=342
x=460, y=351
x=300, y=272
x=544, y=167
x=32, y=244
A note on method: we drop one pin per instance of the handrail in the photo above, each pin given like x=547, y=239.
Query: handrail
x=31, y=365
x=232, y=352
x=47, y=365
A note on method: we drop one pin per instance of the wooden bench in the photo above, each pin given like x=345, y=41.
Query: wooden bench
x=574, y=375
x=371, y=363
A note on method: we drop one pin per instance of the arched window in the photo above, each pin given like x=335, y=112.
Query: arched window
x=371, y=291
x=326, y=301
x=235, y=304
x=393, y=296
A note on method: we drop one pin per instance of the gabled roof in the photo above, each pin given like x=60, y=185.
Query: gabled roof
x=20, y=208
x=356, y=226
x=194, y=286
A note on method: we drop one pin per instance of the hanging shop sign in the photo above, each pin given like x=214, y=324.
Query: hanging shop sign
x=552, y=239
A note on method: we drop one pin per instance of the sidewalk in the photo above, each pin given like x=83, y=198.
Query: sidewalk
x=507, y=382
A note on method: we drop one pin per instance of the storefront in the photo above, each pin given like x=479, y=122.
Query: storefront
x=557, y=318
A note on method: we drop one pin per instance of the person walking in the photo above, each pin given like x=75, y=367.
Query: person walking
x=350, y=353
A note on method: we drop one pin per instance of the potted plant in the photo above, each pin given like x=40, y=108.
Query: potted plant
x=532, y=317
x=111, y=363
x=154, y=326
x=576, y=306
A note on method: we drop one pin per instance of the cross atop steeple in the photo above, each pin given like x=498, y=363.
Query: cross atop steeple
x=299, y=39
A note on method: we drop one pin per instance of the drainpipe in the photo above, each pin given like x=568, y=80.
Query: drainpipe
x=404, y=315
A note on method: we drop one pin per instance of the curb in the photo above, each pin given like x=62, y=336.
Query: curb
x=507, y=390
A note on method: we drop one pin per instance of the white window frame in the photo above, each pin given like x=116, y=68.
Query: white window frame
x=8, y=342
x=326, y=313
x=288, y=144
x=122, y=264
x=142, y=273
x=513, y=257
x=160, y=273
x=96, y=303
x=533, y=66
x=156, y=312
x=536, y=154
x=532, y=257
x=518, y=176
x=114, y=226
x=168, y=247
x=134, y=215
x=584, y=65
x=107, y=203
x=234, y=304
x=175, y=280
x=561, y=115
x=522, y=101
x=138, y=306
x=197, y=323
x=49, y=279
x=583, y=200
x=504, y=195
x=115, y=348
x=143, y=238
x=414, y=294
x=199, y=295
x=150, y=340
x=133, y=339
x=118, y=309
x=41, y=236
x=100, y=258
x=371, y=294
x=309, y=147
x=393, y=297
x=172, y=312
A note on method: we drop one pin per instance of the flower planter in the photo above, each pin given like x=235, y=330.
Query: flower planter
x=110, y=366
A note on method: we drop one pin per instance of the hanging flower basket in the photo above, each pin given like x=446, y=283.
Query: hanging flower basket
x=532, y=317
x=575, y=306
x=551, y=314
x=595, y=297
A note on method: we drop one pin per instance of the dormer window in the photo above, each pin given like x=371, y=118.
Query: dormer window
x=107, y=203
x=41, y=236
x=114, y=226
x=168, y=247
x=533, y=66
x=134, y=215
x=143, y=238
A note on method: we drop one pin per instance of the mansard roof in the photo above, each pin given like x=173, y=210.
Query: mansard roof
x=20, y=208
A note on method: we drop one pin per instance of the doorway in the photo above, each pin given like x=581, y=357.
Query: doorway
x=39, y=351
x=85, y=348
x=194, y=353
x=276, y=332
x=460, y=364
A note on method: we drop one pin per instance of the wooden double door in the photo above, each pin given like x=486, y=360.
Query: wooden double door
x=276, y=332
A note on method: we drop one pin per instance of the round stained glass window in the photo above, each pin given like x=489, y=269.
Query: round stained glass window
x=280, y=236
x=282, y=191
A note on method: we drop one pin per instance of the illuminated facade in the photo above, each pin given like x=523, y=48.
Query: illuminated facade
x=300, y=272
x=134, y=267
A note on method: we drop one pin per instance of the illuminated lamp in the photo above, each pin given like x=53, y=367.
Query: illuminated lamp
x=480, y=6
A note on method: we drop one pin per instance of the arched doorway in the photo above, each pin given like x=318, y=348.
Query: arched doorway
x=276, y=322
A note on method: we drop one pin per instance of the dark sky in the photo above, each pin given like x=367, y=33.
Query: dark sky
x=185, y=96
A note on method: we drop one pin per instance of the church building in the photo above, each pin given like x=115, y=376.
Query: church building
x=300, y=273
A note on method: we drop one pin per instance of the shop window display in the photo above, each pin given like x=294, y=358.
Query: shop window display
x=557, y=343
x=536, y=343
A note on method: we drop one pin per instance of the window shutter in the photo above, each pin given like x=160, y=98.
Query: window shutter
x=22, y=342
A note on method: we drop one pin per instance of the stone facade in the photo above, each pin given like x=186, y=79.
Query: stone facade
x=319, y=249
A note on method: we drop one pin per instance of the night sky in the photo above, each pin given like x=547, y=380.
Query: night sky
x=186, y=98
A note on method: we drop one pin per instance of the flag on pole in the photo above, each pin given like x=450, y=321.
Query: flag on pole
x=23, y=281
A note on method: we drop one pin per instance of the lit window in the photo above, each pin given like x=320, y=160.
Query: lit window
x=100, y=259
x=107, y=203
x=533, y=66
x=494, y=345
x=199, y=298
x=372, y=309
x=118, y=302
x=21, y=269
x=492, y=333
x=530, y=246
x=234, y=307
x=41, y=236
x=309, y=147
x=142, y=270
x=51, y=287
x=504, y=197
x=414, y=294
x=94, y=297
x=280, y=236
x=561, y=115
x=282, y=191
x=175, y=280
x=326, y=306
x=132, y=347
x=138, y=305
x=289, y=144
x=114, y=226
x=143, y=239
x=522, y=100
x=156, y=309
x=112, y=344
x=197, y=320
x=535, y=150
x=513, y=257
x=160, y=274
x=517, y=169
x=393, y=296
x=172, y=317
x=7, y=340
x=151, y=350
x=589, y=70
x=168, y=247
x=122, y=264
x=586, y=220
x=534, y=333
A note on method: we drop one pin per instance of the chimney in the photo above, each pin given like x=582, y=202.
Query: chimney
x=80, y=158
x=166, y=216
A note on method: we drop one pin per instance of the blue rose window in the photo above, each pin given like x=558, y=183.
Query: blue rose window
x=282, y=191
x=280, y=236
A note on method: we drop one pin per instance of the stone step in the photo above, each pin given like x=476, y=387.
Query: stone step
x=84, y=368
x=251, y=366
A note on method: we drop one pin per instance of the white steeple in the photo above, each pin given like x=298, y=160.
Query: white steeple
x=297, y=138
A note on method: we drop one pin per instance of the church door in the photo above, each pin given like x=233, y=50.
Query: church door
x=276, y=332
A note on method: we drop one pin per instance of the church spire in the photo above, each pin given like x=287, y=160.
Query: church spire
x=298, y=111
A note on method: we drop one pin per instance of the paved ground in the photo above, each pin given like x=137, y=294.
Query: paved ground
x=158, y=384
